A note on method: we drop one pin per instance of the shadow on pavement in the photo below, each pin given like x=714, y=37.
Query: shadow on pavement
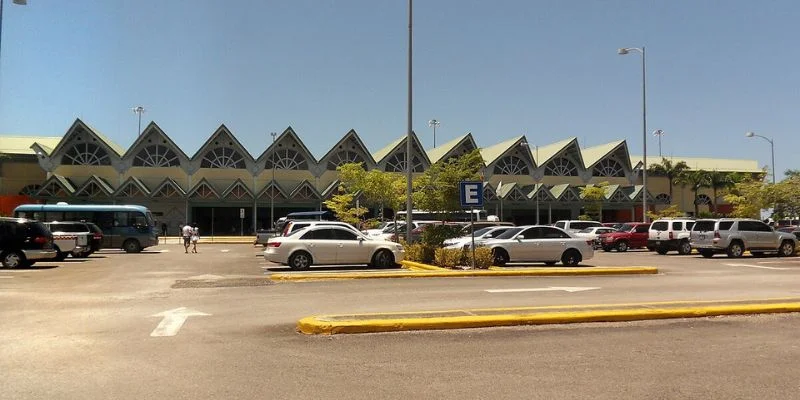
x=324, y=268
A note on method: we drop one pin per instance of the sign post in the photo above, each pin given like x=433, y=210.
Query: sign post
x=471, y=196
x=241, y=221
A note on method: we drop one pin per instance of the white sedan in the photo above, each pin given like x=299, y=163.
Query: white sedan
x=536, y=243
x=328, y=245
x=481, y=236
x=592, y=233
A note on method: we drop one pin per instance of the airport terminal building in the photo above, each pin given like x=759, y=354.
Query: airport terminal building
x=212, y=186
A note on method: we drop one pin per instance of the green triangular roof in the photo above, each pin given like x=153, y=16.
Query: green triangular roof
x=594, y=154
x=492, y=153
x=435, y=154
x=543, y=154
x=382, y=153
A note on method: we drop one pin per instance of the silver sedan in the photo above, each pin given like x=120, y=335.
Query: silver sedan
x=536, y=243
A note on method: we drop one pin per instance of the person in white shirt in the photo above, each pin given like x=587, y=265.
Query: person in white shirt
x=186, y=232
x=195, y=237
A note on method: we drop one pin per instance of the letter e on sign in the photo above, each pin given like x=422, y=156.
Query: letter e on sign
x=471, y=194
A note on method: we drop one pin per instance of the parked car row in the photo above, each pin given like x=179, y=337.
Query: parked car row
x=23, y=242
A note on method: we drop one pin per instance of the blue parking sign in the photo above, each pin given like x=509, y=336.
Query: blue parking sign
x=471, y=194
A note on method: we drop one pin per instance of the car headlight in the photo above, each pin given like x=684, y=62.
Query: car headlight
x=398, y=247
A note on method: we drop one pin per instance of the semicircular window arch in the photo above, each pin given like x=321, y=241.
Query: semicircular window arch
x=397, y=163
x=608, y=168
x=511, y=165
x=287, y=159
x=663, y=198
x=86, y=154
x=561, y=166
x=703, y=200
x=344, y=157
x=222, y=157
x=156, y=156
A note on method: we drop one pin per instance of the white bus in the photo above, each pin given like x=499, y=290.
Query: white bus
x=457, y=216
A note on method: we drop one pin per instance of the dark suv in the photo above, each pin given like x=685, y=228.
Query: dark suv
x=23, y=242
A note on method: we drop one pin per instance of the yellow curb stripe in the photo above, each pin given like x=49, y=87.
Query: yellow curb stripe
x=318, y=325
x=472, y=273
x=413, y=265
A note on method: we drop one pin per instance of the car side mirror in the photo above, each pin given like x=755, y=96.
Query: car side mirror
x=488, y=235
x=360, y=239
x=520, y=237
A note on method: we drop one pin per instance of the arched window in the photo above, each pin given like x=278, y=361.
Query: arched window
x=30, y=190
x=86, y=154
x=287, y=159
x=511, y=165
x=222, y=157
x=156, y=156
x=561, y=167
x=344, y=157
x=397, y=163
x=608, y=168
x=702, y=200
x=663, y=198
x=516, y=195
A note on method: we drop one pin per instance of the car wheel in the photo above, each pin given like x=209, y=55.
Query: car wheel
x=684, y=248
x=787, y=249
x=622, y=246
x=13, y=259
x=706, y=253
x=606, y=249
x=131, y=246
x=571, y=258
x=735, y=250
x=60, y=255
x=383, y=259
x=661, y=251
x=500, y=257
x=300, y=261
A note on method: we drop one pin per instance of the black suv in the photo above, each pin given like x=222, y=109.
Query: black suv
x=23, y=242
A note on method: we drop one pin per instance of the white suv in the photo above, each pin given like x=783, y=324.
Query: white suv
x=670, y=234
x=576, y=226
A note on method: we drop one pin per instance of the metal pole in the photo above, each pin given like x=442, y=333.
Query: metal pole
x=409, y=205
x=434, y=138
x=472, y=228
x=272, y=191
x=140, y=124
x=772, y=146
x=644, y=137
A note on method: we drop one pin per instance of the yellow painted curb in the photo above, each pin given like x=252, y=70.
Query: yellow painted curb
x=413, y=265
x=320, y=325
x=470, y=273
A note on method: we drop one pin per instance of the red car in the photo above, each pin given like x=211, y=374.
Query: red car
x=632, y=235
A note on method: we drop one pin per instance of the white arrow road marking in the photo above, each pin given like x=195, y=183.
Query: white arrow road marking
x=224, y=250
x=164, y=251
x=547, y=289
x=173, y=321
x=5, y=277
x=754, y=266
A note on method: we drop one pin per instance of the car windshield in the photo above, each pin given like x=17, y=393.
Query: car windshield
x=587, y=230
x=509, y=233
x=625, y=227
x=482, y=231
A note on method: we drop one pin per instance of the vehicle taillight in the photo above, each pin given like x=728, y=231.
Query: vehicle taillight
x=273, y=244
x=40, y=239
x=716, y=234
x=670, y=236
x=98, y=236
x=285, y=230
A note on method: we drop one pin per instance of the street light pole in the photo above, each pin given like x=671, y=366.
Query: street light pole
x=409, y=203
x=434, y=123
x=17, y=2
x=272, y=183
x=624, y=51
x=659, y=133
x=137, y=110
x=772, y=148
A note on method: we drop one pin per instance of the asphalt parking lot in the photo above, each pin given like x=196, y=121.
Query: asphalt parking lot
x=164, y=324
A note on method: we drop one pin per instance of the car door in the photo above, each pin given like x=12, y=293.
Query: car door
x=524, y=245
x=552, y=243
x=350, y=250
x=322, y=245
x=749, y=232
x=639, y=236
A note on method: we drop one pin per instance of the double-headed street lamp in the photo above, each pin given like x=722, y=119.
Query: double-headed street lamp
x=623, y=51
x=17, y=2
x=772, y=147
x=434, y=124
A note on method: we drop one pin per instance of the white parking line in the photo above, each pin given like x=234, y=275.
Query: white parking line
x=778, y=262
x=755, y=266
x=224, y=250
x=5, y=277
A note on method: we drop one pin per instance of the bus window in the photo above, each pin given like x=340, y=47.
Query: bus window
x=138, y=220
x=78, y=216
x=105, y=220
x=121, y=219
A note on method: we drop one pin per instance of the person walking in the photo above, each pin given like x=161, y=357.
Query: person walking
x=186, y=232
x=195, y=237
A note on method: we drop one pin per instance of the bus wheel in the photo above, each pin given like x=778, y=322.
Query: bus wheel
x=131, y=246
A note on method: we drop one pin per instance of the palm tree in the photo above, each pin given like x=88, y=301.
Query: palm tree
x=694, y=180
x=718, y=181
x=669, y=170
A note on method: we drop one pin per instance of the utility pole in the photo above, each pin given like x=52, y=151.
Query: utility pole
x=139, y=110
x=434, y=123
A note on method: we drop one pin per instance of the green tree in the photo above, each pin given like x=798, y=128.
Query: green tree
x=718, y=181
x=593, y=197
x=748, y=198
x=343, y=204
x=695, y=180
x=670, y=212
x=437, y=189
x=669, y=170
x=785, y=195
x=792, y=173
x=376, y=188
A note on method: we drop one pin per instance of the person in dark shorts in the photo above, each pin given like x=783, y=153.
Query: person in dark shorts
x=186, y=232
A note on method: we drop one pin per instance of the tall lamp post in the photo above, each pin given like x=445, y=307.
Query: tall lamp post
x=409, y=202
x=772, y=147
x=623, y=51
x=272, y=195
x=136, y=110
x=659, y=133
x=434, y=123
x=17, y=2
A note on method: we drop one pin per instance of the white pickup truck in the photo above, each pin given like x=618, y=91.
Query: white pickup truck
x=67, y=242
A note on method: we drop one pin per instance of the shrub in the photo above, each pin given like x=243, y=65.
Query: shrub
x=435, y=235
x=483, y=258
x=419, y=253
x=449, y=258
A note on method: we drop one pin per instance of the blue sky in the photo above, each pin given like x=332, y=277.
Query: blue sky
x=546, y=69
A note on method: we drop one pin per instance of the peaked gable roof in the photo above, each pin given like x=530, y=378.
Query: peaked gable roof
x=207, y=192
x=136, y=183
x=399, y=145
x=56, y=180
x=79, y=127
x=288, y=135
x=492, y=153
x=168, y=182
x=268, y=191
x=543, y=154
x=305, y=185
x=217, y=139
x=540, y=191
x=355, y=145
x=152, y=129
x=98, y=182
x=442, y=152
x=592, y=155
x=238, y=189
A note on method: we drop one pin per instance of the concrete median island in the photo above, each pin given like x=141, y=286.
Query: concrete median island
x=496, y=317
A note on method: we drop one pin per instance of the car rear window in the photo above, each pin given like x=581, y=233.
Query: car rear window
x=659, y=226
x=37, y=228
x=725, y=225
x=583, y=225
x=703, y=226
x=509, y=233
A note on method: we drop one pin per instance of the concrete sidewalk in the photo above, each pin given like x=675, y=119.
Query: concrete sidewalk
x=210, y=240
x=567, y=314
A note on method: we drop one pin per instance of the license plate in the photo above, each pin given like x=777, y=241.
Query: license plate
x=702, y=237
x=658, y=242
